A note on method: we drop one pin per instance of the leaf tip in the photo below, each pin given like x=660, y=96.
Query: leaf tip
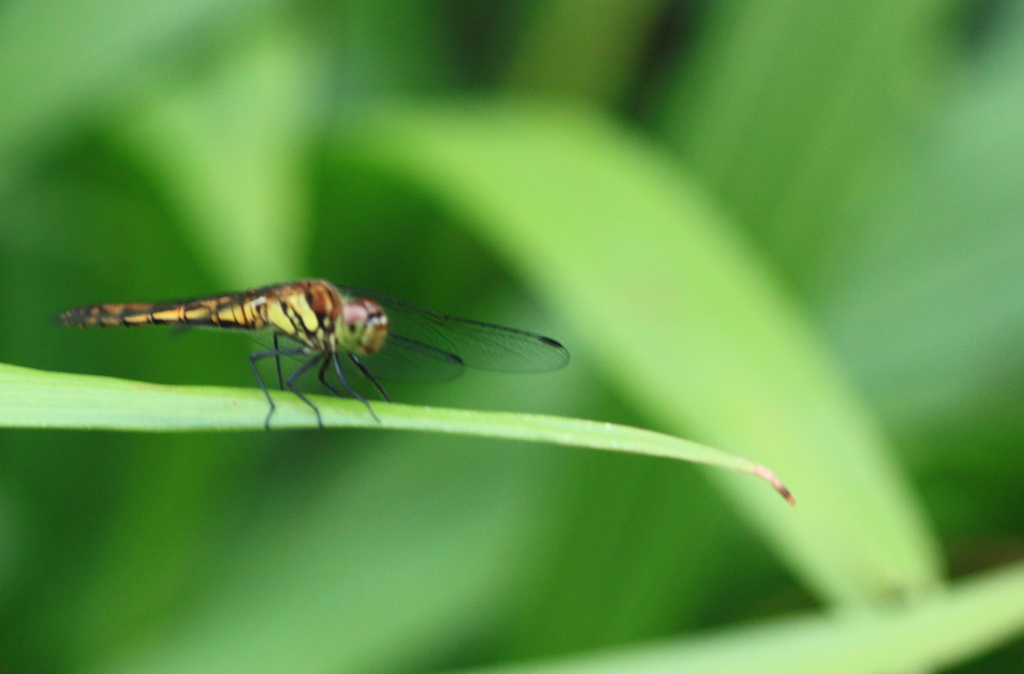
x=765, y=474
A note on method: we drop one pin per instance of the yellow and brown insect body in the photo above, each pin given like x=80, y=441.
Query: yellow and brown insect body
x=304, y=311
x=311, y=312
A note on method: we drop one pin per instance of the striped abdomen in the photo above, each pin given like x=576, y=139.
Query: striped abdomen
x=239, y=310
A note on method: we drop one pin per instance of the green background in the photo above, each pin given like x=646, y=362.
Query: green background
x=791, y=229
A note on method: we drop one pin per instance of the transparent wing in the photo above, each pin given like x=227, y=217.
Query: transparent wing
x=431, y=339
x=408, y=360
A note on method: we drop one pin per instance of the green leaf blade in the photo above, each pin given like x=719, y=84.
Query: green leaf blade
x=34, y=399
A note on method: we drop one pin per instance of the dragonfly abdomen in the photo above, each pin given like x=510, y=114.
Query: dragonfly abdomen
x=223, y=312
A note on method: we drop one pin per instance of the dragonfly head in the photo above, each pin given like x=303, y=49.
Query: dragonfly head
x=362, y=326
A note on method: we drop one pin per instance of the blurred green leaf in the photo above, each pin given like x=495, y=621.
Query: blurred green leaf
x=927, y=306
x=678, y=313
x=64, y=58
x=230, y=150
x=790, y=112
x=584, y=48
x=937, y=631
x=383, y=49
x=384, y=567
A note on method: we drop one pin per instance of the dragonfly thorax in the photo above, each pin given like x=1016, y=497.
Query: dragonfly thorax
x=314, y=313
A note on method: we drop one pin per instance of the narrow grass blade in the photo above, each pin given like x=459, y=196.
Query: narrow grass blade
x=36, y=399
x=942, y=630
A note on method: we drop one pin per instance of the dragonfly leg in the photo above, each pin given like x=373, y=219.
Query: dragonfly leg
x=277, y=353
x=366, y=373
x=280, y=377
x=344, y=382
x=320, y=376
x=295, y=377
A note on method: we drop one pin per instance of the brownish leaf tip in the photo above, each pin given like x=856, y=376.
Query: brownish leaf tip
x=766, y=474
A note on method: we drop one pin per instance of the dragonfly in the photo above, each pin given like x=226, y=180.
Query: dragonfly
x=385, y=338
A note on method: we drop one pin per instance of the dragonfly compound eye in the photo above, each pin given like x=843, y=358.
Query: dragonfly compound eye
x=366, y=321
x=376, y=328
